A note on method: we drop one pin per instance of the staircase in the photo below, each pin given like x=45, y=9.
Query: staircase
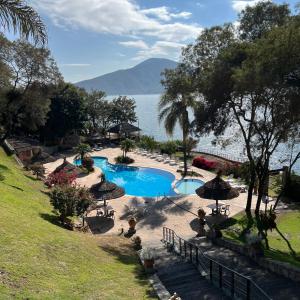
x=277, y=287
x=182, y=277
x=198, y=269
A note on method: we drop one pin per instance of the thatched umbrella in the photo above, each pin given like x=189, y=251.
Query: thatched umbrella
x=106, y=190
x=217, y=189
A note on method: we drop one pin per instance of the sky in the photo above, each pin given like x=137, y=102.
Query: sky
x=89, y=38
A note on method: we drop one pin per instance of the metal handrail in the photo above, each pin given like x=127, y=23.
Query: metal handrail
x=234, y=283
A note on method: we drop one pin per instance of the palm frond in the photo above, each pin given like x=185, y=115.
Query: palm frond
x=17, y=16
x=164, y=112
x=170, y=121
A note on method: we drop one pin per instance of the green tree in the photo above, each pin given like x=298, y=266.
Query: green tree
x=98, y=110
x=26, y=87
x=70, y=200
x=17, y=16
x=126, y=146
x=67, y=114
x=178, y=97
x=82, y=150
x=250, y=87
x=256, y=21
x=148, y=143
x=123, y=110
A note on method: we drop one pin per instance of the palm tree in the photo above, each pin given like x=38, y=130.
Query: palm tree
x=17, y=16
x=174, y=104
x=82, y=150
x=126, y=146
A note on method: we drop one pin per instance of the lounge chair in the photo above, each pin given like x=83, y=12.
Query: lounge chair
x=225, y=210
x=172, y=162
x=111, y=214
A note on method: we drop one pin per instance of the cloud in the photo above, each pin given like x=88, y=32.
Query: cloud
x=75, y=65
x=164, y=14
x=167, y=49
x=239, y=5
x=119, y=17
x=135, y=44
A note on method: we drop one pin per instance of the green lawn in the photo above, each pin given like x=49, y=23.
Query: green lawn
x=284, y=242
x=40, y=260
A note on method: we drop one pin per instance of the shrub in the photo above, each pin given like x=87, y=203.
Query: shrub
x=267, y=220
x=61, y=178
x=148, y=143
x=169, y=147
x=88, y=163
x=203, y=163
x=124, y=160
x=70, y=200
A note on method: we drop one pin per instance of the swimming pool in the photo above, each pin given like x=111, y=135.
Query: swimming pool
x=188, y=186
x=144, y=182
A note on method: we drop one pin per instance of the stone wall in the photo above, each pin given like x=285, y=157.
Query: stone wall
x=278, y=267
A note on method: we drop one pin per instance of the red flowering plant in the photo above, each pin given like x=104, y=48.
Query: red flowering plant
x=61, y=178
x=203, y=163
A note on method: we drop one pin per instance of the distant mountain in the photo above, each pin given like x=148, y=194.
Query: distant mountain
x=142, y=79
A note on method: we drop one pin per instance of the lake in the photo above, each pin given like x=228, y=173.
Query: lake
x=147, y=112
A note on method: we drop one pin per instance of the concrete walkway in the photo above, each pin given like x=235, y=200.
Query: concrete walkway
x=178, y=215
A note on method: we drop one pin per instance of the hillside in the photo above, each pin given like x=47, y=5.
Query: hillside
x=40, y=260
x=142, y=79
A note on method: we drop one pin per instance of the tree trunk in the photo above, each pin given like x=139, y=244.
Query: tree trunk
x=251, y=187
x=184, y=138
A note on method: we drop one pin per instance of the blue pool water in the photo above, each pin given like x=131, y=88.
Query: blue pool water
x=188, y=186
x=145, y=182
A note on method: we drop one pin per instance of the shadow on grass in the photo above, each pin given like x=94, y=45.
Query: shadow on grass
x=124, y=253
x=54, y=219
x=4, y=168
x=10, y=185
x=32, y=178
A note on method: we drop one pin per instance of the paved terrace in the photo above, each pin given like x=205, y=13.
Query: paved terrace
x=162, y=212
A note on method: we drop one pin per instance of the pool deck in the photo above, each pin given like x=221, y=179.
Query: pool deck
x=177, y=214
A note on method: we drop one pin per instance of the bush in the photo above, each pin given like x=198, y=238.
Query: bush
x=203, y=163
x=124, y=160
x=70, y=200
x=148, y=143
x=88, y=163
x=169, y=147
x=61, y=178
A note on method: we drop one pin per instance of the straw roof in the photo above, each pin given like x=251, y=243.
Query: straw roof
x=67, y=167
x=124, y=128
x=217, y=189
x=106, y=190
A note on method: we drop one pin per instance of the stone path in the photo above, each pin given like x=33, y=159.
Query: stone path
x=277, y=287
x=183, y=278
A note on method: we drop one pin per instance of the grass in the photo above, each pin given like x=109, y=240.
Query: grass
x=40, y=260
x=284, y=241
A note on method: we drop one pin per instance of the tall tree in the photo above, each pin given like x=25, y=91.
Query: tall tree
x=17, y=16
x=25, y=90
x=250, y=87
x=177, y=99
x=256, y=21
x=99, y=111
x=67, y=114
x=123, y=110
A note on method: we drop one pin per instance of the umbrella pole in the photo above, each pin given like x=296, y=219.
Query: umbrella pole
x=217, y=205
